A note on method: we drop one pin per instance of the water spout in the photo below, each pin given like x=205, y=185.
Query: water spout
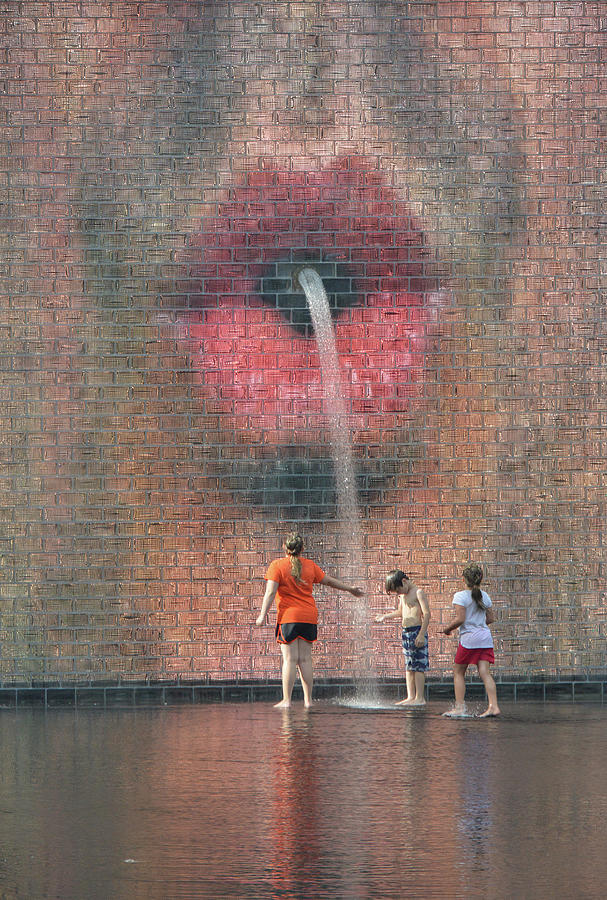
x=348, y=512
x=335, y=407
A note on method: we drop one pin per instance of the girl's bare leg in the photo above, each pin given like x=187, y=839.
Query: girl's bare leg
x=487, y=678
x=289, y=670
x=459, y=685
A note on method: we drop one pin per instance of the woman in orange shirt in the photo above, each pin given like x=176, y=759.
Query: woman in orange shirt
x=292, y=579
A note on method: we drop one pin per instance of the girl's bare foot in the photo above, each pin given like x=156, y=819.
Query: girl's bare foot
x=490, y=711
x=406, y=701
x=417, y=702
x=284, y=704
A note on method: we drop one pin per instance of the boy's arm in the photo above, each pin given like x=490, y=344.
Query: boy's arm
x=425, y=610
x=395, y=614
x=459, y=618
x=268, y=597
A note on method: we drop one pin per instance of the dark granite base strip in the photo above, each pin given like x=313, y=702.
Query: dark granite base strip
x=174, y=694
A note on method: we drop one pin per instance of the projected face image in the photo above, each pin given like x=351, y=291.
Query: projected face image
x=339, y=162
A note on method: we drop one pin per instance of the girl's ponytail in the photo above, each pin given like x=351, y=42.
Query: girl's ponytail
x=473, y=576
x=294, y=546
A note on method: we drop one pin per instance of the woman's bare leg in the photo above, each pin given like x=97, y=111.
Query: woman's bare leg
x=289, y=671
x=304, y=664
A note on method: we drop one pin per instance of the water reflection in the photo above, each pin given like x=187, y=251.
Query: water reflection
x=474, y=821
x=246, y=801
x=295, y=829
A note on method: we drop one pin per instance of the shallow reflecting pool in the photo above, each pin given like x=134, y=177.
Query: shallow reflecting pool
x=247, y=801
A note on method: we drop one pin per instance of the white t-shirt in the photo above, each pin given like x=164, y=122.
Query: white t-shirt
x=474, y=633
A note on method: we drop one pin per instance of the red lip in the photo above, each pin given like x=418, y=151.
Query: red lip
x=256, y=356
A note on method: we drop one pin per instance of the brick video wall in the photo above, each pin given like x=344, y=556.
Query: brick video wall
x=167, y=169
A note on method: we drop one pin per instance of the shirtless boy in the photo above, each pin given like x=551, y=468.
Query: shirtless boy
x=414, y=612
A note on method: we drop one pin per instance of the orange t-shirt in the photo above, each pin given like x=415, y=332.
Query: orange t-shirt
x=294, y=598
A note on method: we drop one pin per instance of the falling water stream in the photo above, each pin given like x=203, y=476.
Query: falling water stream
x=348, y=512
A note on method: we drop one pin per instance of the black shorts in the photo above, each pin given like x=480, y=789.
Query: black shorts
x=290, y=631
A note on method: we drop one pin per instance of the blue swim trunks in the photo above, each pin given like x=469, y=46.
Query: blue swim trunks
x=416, y=658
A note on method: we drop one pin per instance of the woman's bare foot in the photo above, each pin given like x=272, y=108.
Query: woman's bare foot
x=284, y=704
x=489, y=712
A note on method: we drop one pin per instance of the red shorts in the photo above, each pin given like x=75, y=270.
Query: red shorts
x=465, y=657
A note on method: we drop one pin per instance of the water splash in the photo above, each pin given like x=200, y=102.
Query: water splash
x=348, y=512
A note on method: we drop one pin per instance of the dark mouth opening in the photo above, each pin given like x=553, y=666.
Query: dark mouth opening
x=298, y=487
x=279, y=288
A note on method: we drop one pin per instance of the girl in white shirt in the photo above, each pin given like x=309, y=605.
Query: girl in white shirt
x=473, y=615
